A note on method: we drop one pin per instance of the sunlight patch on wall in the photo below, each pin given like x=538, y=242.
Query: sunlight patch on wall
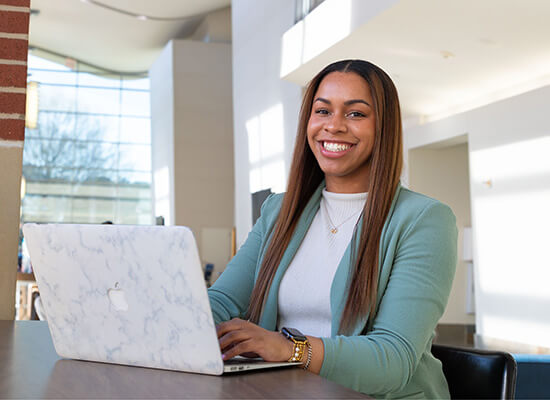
x=511, y=194
x=266, y=150
x=512, y=241
x=274, y=173
x=530, y=332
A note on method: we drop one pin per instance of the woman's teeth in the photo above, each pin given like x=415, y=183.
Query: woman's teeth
x=335, y=147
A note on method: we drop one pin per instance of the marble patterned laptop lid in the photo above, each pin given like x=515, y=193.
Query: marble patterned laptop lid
x=132, y=295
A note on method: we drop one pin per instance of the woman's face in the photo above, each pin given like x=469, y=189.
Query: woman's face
x=341, y=131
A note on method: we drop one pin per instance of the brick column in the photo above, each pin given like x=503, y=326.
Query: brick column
x=14, y=38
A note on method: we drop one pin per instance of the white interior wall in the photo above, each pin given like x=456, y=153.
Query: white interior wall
x=443, y=174
x=192, y=140
x=509, y=143
x=265, y=107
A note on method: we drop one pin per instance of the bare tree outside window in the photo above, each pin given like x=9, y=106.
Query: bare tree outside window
x=61, y=150
x=89, y=159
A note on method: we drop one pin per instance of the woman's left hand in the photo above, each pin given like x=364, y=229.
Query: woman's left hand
x=239, y=337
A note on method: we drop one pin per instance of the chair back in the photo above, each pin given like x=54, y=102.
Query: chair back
x=477, y=374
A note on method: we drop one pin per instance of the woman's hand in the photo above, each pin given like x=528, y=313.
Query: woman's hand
x=239, y=337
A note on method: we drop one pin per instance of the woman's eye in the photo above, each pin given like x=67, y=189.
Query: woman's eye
x=321, y=111
x=356, y=114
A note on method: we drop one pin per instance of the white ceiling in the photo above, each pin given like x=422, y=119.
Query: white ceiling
x=112, y=40
x=498, y=48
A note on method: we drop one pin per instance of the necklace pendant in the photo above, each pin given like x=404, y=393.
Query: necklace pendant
x=334, y=230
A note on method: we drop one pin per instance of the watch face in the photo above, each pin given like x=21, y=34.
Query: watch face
x=294, y=334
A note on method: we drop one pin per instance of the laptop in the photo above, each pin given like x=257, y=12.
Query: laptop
x=132, y=295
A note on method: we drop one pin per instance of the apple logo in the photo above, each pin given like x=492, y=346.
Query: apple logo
x=118, y=298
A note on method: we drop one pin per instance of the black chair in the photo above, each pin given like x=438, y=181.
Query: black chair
x=477, y=374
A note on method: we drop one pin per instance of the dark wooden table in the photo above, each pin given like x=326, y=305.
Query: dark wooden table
x=30, y=368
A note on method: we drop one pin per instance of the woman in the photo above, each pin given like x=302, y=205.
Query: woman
x=360, y=265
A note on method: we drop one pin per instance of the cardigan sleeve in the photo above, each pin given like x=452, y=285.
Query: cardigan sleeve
x=230, y=294
x=385, y=359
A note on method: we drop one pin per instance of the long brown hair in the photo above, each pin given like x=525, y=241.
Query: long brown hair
x=305, y=177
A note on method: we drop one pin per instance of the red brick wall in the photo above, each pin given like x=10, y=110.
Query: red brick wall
x=14, y=29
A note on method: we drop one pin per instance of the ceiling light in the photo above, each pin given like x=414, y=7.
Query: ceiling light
x=31, y=109
x=23, y=187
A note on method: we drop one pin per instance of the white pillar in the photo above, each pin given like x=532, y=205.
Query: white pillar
x=192, y=143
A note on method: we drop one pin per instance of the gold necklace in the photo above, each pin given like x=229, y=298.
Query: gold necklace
x=334, y=228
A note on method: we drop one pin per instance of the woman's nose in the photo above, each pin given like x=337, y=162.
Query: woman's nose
x=336, y=124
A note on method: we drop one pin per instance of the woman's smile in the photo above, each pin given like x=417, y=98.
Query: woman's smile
x=333, y=149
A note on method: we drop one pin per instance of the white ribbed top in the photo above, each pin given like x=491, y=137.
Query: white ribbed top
x=304, y=293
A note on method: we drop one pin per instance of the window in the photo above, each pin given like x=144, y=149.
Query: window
x=89, y=159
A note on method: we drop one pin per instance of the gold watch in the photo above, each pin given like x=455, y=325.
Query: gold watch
x=300, y=344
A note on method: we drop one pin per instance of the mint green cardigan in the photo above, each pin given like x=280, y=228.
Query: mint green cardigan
x=417, y=266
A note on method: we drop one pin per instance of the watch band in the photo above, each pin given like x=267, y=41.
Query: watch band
x=300, y=343
x=298, y=352
x=309, y=352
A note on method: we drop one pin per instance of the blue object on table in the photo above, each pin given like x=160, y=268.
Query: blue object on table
x=533, y=376
x=208, y=269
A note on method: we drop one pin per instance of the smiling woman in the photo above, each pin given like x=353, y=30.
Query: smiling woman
x=354, y=269
x=341, y=131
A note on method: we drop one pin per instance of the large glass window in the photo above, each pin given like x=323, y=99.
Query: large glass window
x=89, y=158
